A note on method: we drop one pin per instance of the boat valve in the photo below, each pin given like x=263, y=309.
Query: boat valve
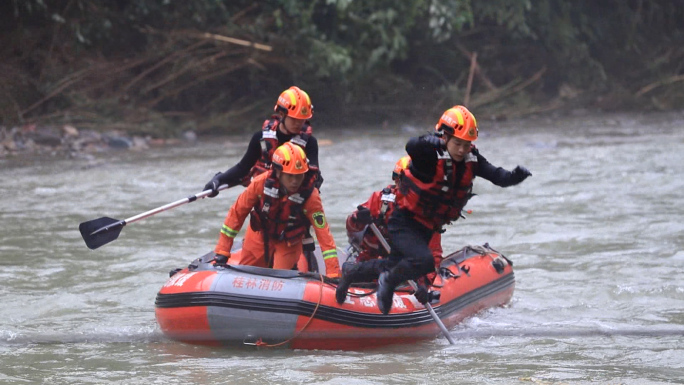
x=498, y=265
x=251, y=340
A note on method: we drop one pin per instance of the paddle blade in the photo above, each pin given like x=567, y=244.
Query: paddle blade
x=101, y=231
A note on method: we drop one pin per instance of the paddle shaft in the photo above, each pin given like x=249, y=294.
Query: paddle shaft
x=99, y=232
x=171, y=205
x=432, y=312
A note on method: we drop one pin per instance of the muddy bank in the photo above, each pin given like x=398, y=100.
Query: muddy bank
x=69, y=141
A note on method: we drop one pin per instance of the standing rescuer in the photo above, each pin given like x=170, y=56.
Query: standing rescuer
x=434, y=189
x=282, y=204
x=289, y=123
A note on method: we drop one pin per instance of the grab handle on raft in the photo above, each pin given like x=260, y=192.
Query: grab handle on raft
x=98, y=232
x=432, y=312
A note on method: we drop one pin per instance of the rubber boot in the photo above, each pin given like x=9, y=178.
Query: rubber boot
x=348, y=273
x=385, y=293
x=388, y=281
x=357, y=272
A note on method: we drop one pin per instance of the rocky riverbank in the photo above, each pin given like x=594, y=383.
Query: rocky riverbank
x=69, y=141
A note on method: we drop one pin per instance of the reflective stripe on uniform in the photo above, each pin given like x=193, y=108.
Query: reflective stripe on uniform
x=329, y=254
x=228, y=232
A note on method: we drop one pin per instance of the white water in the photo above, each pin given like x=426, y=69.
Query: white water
x=596, y=236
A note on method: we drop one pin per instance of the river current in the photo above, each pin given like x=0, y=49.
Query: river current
x=596, y=236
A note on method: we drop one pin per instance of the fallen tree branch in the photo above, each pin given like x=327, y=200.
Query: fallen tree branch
x=469, y=86
x=238, y=15
x=213, y=36
x=192, y=83
x=233, y=40
x=220, y=119
x=478, y=70
x=68, y=81
x=79, y=76
x=182, y=71
x=509, y=89
x=660, y=83
x=161, y=63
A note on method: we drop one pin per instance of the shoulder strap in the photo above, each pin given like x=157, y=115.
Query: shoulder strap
x=388, y=196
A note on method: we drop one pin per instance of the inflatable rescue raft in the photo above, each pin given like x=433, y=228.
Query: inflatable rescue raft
x=217, y=305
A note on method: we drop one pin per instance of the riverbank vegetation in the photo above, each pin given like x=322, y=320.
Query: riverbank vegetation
x=163, y=67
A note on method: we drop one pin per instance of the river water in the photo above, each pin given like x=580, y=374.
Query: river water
x=596, y=237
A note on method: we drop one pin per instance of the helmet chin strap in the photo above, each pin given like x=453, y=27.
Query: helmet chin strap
x=282, y=122
x=285, y=128
x=447, y=138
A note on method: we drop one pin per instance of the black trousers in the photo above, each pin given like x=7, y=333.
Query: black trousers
x=410, y=258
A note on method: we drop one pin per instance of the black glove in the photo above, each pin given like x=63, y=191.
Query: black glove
x=221, y=260
x=363, y=215
x=213, y=185
x=422, y=294
x=437, y=143
x=520, y=173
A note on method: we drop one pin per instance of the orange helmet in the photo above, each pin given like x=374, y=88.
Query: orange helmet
x=291, y=159
x=294, y=103
x=400, y=166
x=459, y=122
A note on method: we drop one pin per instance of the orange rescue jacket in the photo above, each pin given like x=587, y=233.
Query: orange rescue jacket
x=269, y=143
x=381, y=204
x=312, y=210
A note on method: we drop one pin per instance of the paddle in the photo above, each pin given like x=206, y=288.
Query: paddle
x=438, y=321
x=101, y=231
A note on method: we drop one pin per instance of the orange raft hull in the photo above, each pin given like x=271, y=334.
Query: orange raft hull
x=213, y=305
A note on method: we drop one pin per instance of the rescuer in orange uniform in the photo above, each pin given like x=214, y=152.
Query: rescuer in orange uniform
x=282, y=203
x=289, y=123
